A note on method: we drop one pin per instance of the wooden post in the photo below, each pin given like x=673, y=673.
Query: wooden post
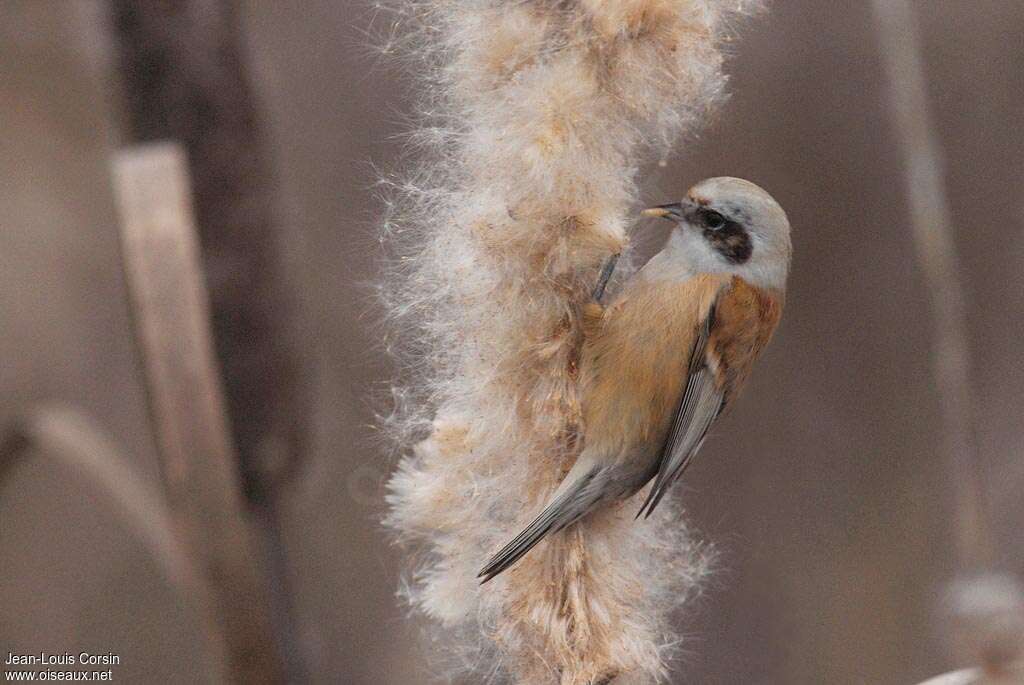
x=169, y=302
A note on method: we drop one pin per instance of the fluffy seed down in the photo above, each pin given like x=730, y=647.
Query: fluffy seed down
x=534, y=119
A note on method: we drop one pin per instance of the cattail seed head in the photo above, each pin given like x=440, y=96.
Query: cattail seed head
x=534, y=120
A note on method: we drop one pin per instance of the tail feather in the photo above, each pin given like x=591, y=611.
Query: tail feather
x=565, y=509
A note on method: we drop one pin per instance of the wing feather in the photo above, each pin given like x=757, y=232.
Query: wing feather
x=701, y=402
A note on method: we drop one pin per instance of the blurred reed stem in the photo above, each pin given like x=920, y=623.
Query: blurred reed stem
x=186, y=402
x=931, y=224
x=987, y=608
x=185, y=78
x=74, y=442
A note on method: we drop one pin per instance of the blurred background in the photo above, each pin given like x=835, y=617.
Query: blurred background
x=834, y=519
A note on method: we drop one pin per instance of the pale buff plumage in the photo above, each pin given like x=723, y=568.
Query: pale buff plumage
x=653, y=376
x=631, y=386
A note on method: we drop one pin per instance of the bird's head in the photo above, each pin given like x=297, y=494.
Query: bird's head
x=728, y=225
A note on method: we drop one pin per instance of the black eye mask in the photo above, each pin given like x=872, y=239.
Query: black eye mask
x=729, y=238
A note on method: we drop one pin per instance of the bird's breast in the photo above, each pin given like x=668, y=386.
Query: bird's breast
x=635, y=360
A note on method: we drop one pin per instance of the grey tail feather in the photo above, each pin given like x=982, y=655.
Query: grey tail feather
x=562, y=512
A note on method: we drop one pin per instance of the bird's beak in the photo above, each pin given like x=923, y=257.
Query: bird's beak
x=672, y=211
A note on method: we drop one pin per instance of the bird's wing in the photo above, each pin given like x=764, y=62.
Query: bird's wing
x=736, y=329
x=701, y=402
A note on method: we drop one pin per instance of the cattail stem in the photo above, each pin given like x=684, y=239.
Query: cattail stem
x=932, y=225
x=987, y=607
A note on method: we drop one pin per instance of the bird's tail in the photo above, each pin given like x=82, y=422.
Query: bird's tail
x=581, y=489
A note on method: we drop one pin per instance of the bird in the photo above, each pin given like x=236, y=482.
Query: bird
x=665, y=357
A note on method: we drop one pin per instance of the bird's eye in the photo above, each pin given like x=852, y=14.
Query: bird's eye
x=713, y=219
